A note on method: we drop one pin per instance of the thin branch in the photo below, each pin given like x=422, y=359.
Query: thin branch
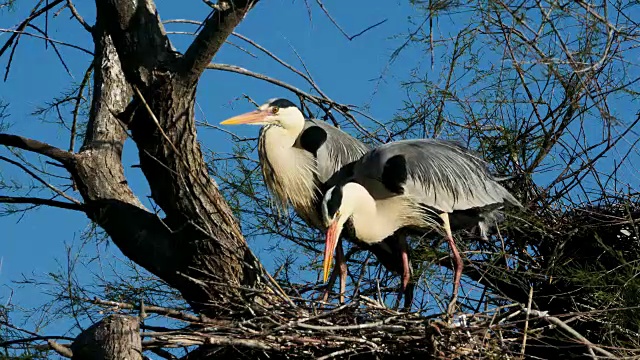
x=340, y=28
x=335, y=354
x=76, y=108
x=55, y=48
x=198, y=339
x=554, y=320
x=34, y=14
x=214, y=32
x=41, y=180
x=32, y=339
x=324, y=103
x=60, y=349
x=307, y=78
x=40, y=201
x=172, y=313
x=243, y=71
x=48, y=39
x=79, y=17
x=526, y=323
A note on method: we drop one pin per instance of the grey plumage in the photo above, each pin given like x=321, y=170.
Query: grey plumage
x=302, y=188
x=411, y=185
x=339, y=149
x=301, y=159
x=440, y=174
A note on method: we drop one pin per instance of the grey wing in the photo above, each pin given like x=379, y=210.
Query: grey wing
x=339, y=149
x=438, y=173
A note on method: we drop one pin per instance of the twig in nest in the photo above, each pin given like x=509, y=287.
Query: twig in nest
x=526, y=322
x=335, y=354
x=554, y=320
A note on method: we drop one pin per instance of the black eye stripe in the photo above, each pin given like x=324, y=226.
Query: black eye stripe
x=282, y=103
x=334, y=201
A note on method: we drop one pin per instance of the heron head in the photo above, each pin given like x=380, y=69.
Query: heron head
x=280, y=112
x=338, y=205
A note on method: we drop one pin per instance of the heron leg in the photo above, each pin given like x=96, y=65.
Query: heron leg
x=457, y=264
x=406, y=269
x=406, y=287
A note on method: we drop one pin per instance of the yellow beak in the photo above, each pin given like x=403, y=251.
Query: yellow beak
x=251, y=117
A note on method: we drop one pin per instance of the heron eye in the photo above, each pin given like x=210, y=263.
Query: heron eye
x=274, y=110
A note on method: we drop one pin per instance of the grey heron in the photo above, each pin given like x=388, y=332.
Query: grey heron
x=421, y=184
x=299, y=158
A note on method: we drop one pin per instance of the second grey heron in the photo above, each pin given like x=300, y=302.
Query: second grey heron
x=299, y=158
x=415, y=184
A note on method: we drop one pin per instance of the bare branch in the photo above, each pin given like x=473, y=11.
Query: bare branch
x=324, y=9
x=40, y=201
x=60, y=349
x=79, y=17
x=39, y=179
x=214, y=32
x=48, y=39
x=16, y=36
x=76, y=107
x=556, y=321
x=36, y=146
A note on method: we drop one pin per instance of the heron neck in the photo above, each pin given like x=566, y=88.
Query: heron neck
x=290, y=172
x=279, y=137
x=375, y=220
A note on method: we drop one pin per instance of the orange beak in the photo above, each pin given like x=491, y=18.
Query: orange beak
x=333, y=233
x=251, y=117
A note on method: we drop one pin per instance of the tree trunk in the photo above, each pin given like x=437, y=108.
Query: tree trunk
x=116, y=337
x=143, y=85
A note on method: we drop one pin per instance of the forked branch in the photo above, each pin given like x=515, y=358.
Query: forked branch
x=215, y=31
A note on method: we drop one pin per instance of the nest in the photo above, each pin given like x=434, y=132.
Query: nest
x=360, y=329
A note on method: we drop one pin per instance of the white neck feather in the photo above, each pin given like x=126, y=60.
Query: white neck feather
x=295, y=171
x=375, y=220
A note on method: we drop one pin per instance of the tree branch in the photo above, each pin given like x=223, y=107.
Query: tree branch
x=215, y=31
x=79, y=17
x=60, y=349
x=40, y=201
x=38, y=147
x=39, y=179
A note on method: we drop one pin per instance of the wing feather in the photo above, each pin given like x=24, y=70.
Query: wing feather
x=338, y=150
x=440, y=174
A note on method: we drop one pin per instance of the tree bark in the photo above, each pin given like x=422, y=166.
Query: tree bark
x=115, y=337
x=141, y=84
x=198, y=247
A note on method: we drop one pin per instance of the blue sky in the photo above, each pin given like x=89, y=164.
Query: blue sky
x=34, y=244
